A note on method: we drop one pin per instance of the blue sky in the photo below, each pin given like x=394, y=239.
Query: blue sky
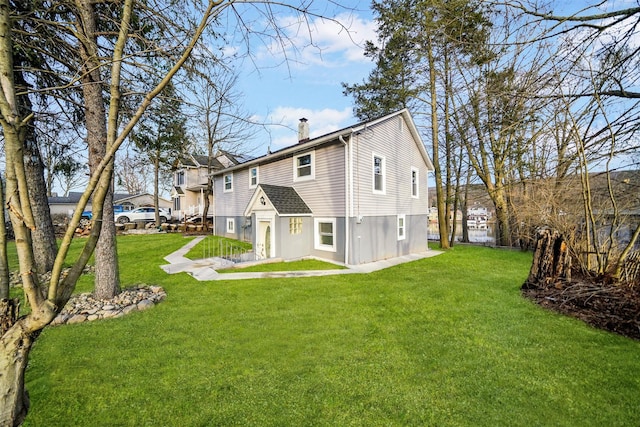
x=282, y=83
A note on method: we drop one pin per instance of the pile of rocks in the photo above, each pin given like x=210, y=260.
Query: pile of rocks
x=85, y=308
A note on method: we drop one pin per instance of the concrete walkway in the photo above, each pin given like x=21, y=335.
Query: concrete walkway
x=205, y=269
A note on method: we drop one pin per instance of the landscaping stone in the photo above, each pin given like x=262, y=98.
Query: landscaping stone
x=85, y=308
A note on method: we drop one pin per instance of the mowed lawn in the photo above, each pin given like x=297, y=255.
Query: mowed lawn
x=446, y=341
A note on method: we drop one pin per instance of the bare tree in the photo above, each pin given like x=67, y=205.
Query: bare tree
x=132, y=174
x=223, y=126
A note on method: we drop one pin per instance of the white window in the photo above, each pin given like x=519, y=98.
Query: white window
x=228, y=182
x=253, y=177
x=295, y=225
x=378, y=174
x=176, y=203
x=304, y=167
x=325, y=237
x=415, y=179
x=231, y=225
x=402, y=227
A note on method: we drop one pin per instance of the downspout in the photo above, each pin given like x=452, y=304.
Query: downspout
x=347, y=206
x=215, y=205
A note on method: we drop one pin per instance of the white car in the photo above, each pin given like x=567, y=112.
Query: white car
x=143, y=214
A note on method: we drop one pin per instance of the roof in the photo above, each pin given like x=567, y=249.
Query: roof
x=285, y=200
x=74, y=198
x=220, y=161
x=335, y=136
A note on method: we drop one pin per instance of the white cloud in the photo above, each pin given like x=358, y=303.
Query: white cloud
x=320, y=41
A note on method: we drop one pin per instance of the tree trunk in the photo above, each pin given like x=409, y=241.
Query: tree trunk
x=15, y=345
x=44, y=238
x=107, y=279
x=503, y=234
x=4, y=259
x=156, y=185
x=551, y=261
x=443, y=222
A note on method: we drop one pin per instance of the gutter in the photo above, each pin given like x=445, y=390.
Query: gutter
x=347, y=205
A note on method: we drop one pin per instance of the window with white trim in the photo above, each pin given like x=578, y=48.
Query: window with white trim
x=378, y=174
x=402, y=227
x=304, y=167
x=415, y=179
x=228, y=182
x=231, y=225
x=325, y=237
x=253, y=177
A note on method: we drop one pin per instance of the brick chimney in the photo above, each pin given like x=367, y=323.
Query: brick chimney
x=303, y=130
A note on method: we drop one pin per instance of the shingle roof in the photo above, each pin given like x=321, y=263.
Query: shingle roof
x=285, y=200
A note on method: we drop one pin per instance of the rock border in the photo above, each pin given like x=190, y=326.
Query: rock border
x=85, y=308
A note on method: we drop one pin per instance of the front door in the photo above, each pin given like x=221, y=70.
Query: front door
x=265, y=239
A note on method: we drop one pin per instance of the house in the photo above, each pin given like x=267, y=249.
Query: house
x=190, y=181
x=352, y=196
x=66, y=205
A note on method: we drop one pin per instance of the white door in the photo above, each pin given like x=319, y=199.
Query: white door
x=265, y=239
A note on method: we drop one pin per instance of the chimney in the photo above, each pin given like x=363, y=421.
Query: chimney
x=303, y=130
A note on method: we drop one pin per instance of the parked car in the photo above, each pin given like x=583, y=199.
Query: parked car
x=87, y=216
x=143, y=214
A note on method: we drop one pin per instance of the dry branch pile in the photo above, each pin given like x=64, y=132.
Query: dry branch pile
x=613, y=306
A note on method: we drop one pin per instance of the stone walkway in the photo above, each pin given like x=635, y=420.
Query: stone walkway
x=205, y=269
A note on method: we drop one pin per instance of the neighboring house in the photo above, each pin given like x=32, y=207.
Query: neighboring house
x=353, y=196
x=66, y=205
x=190, y=182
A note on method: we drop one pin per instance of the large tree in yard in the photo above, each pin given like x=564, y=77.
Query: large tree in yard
x=18, y=332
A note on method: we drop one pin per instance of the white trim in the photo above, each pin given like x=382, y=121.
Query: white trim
x=383, y=167
x=312, y=166
x=318, y=245
x=257, y=168
x=231, y=225
x=224, y=182
x=417, y=182
x=401, y=226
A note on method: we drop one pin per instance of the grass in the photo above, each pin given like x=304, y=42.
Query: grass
x=299, y=265
x=213, y=246
x=445, y=341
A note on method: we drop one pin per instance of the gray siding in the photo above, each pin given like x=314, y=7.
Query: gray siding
x=232, y=203
x=297, y=245
x=393, y=141
x=376, y=238
x=243, y=231
x=325, y=194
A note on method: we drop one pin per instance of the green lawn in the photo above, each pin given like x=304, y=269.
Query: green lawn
x=445, y=341
x=299, y=265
